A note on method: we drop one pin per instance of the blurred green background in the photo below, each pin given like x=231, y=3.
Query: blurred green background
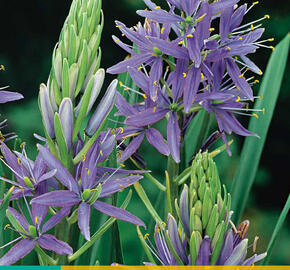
x=29, y=31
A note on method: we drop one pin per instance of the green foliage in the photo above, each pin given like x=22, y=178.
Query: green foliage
x=252, y=149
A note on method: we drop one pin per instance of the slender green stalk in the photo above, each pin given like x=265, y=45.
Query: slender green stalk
x=277, y=229
x=172, y=169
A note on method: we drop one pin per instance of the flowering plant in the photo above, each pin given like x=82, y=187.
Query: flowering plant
x=188, y=69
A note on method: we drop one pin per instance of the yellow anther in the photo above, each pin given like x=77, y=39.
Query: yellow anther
x=255, y=3
x=207, y=87
x=257, y=116
x=2, y=67
x=126, y=89
x=256, y=81
x=236, y=57
x=154, y=109
x=229, y=48
x=238, y=88
x=184, y=75
x=158, y=230
x=260, y=72
x=83, y=157
x=121, y=130
x=263, y=111
x=36, y=220
x=6, y=226
x=190, y=36
x=162, y=30
x=88, y=171
x=261, y=97
x=180, y=42
x=157, y=7
x=267, y=16
x=146, y=236
x=119, y=26
x=18, y=161
x=240, y=38
x=238, y=99
x=22, y=189
x=154, y=54
x=167, y=67
x=144, y=96
x=139, y=68
x=120, y=83
x=122, y=165
x=22, y=144
x=155, y=83
x=117, y=40
x=201, y=17
x=205, y=55
x=211, y=29
x=242, y=75
x=272, y=48
x=101, y=152
x=202, y=76
x=122, y=187
x=271, y=39
x=122, y=35
x=252, y=27
x=163, y=223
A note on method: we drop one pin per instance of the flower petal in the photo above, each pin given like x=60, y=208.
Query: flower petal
x=58, y=198
x=62, y=173
x=131, y=148
x=118, y=213
x=204, y=252
x=6, y=96
x=84, y=211
x=18, y=251
x=173, y=137
x=50, y=242
x=155, y=138
x=114, y=185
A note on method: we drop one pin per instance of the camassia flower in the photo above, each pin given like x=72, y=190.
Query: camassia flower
x=32, y=177
x=197, y=235
x=95, y=183
x=33, y=233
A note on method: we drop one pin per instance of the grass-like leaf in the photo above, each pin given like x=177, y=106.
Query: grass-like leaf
x=252, y=149
x=277, y=229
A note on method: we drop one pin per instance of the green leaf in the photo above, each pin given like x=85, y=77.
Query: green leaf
x=277, y=229
x=252, y=149
x=3, y=207
x=143, y=196
x=100, y=232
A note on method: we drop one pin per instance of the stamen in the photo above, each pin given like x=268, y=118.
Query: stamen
x=255, y=244
x=257, y=116
x=162, y=30
x=189, y=36
x=184, y=75
x=201, y=17
x=2, y=67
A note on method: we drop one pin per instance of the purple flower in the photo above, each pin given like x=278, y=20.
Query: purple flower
x=152, y=45
x=96, y=182
x=137, y=132
x=34, y=233
x=31, y=177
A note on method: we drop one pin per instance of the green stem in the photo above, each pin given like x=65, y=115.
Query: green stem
x=172, y=169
